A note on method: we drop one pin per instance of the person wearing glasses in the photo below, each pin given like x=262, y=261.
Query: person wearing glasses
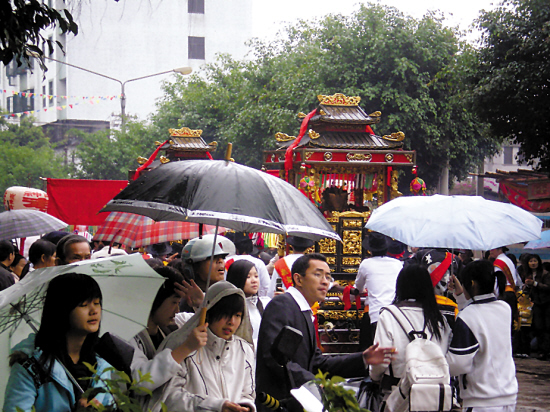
x=311, y=277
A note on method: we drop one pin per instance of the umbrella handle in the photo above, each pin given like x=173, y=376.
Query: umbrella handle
x=202, y=318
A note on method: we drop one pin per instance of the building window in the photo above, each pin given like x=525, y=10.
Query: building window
x=508, y=155
x=20, y=103
x=195, y=48
x=51, y=45
x=195, y=6
x=44, y=97
x=50, y=92
x=30, y=100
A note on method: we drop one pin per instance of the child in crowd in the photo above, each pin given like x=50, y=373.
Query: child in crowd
x=523, y=337
x=243, y=274
x=47, y=370
x=219, y=376
x=480, y=350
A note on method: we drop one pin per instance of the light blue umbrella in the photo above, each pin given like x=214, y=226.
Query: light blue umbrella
x=543, y=242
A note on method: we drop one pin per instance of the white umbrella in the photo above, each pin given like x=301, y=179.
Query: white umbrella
x=27, y=222
x=454, y=222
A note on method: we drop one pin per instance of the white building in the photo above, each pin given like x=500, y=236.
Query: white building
x=124, y=40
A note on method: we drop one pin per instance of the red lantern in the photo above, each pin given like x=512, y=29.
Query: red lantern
x=19, y=197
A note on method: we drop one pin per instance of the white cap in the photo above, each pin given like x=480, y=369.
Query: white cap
x=201, y=249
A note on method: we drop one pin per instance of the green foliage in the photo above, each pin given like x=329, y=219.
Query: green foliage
x=22, y=22
x=336, y=398
x=409, y=69
x=110, y=154
x=511, y=76
x=26, y=156
x=120, y=386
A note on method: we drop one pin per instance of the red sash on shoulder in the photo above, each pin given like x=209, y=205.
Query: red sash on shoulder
x=501, y=265
x=284, y=272
x=229, y=263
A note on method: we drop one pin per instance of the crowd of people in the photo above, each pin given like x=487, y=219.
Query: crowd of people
x=219, y=348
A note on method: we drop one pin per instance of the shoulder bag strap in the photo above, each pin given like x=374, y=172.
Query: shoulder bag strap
x=400, y=317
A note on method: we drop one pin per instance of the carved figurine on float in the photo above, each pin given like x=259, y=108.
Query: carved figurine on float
x=355, y=195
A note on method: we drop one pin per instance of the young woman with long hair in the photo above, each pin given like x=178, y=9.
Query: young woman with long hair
x=533, y=266
x=243, y=274
x=414, y=296
x=68, y=332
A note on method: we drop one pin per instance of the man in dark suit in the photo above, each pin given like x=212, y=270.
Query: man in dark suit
x=311, y=276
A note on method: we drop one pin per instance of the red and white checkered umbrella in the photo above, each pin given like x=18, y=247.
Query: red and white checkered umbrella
x=136, y=230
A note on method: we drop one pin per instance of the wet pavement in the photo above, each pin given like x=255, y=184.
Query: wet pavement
x=534, y=385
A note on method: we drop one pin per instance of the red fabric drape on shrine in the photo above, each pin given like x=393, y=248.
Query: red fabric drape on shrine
x=77, y=201
x=519, y=198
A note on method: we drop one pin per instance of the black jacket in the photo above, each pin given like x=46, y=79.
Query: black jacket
x=308, y=359
x=6, y=277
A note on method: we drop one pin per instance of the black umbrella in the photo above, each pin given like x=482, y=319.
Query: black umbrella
x=222, y=193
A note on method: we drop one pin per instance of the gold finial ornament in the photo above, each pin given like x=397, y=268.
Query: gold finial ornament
x=157, y=143
x=395, y=137
x=283, y=137
x=339, y=99
x=213, y=144
x=376, y=114
x=301, y=115
x=141, y=160
x=313, y=134
x=164, y=160
x=185, y=132
x=322, y=112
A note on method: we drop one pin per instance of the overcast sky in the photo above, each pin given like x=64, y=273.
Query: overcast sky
x=270, y=16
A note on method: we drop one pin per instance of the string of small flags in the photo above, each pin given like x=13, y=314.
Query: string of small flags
x=89, y=99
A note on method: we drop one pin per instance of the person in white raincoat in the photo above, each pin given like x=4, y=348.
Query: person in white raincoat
x=219, y=376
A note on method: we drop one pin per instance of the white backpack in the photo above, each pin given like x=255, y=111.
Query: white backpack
x=425, y=383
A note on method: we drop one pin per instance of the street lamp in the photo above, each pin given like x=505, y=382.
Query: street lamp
x=180, y=70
